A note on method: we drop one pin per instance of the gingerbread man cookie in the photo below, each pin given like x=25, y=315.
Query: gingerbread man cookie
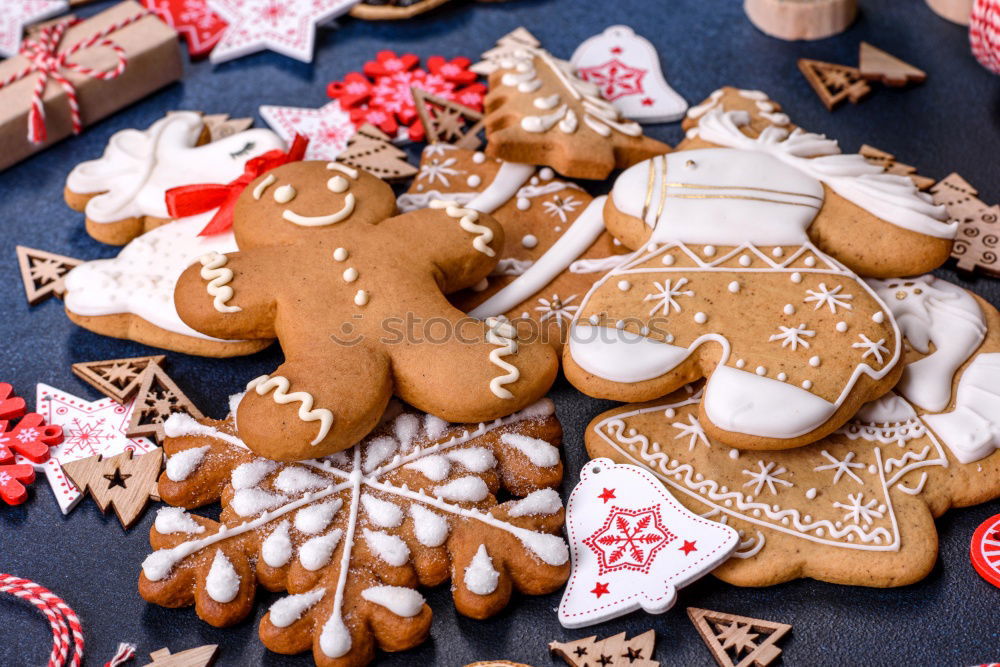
x=122, y=192
x=356, y=298
x=858, y=506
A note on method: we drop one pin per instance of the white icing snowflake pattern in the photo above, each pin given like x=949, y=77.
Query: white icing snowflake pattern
x=666, y=295
x=558, y=309
x=358, y=499
x=439, y=170
x=561, y=206
x=857, y=510
x=693, y=431
x=768, y=475
x=871, y=347
x=840, y=467
x=438, y=148
x=793, y=336
x=825, y=296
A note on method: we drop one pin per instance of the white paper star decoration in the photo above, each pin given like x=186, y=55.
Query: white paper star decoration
x=16, y=14
x=89, y=428
x=328, y=128
x=287, y=27
x=632, y=545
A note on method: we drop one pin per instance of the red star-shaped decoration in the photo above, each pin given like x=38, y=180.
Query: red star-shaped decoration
x=688, y=547
x=600, y=589
x=607, y=495
x=647, y=101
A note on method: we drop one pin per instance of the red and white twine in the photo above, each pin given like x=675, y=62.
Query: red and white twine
x=67, y=632
x=984, y=33
x=45, y=59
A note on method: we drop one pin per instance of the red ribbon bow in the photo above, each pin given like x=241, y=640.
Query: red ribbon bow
x=188, y=200
x=42, y=52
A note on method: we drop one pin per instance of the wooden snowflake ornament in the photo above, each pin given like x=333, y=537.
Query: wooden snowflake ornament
x=351, y=536
x=633, y=545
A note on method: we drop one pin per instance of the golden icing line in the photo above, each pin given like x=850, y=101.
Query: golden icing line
x=280, y=384
x=218, y=277
x=770, y=201
x=500, y=332
x=663, y=189
x=268, y=181
x=741, y=187
x=649, y=190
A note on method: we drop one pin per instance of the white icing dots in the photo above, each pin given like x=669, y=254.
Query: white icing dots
x=361, y=298
x=841, y=326
x=809, y=261
x=474, y=181
x=782, y=377
x=546, y=173
x=740, y=363
x=523, y=203
x=734, y=453
x=745, y=260
x=789, y=309
x=624, y=285
x=733, y=287
x=878, y=318
x=668, y=260
x=807, y=384
x=778, y=252
x=222, y=583
x=760, y=370
x=480, y=576
x=529, y=241
x=810, y=494
x=709, y=251
x=340, y=254
x=479, y=157
x=700, y=317
x=350, y=274
x=796, y=277
x=284, y=194
x=814, y=361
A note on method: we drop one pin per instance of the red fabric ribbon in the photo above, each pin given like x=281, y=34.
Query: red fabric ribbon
x=188, y=200
x=44, y=58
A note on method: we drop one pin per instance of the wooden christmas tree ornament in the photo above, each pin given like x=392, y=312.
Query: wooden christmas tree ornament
x=888, y=162
x=372, y=150
x=42, y=273
x=877, y=65
x=158, y=397
x=738, y=641
x=123, y=482
x=117, y=379
x=448, y=122
x=193, y=657
x=801, y=19
x=220, y=125
x=834, y=83
x=614, y=651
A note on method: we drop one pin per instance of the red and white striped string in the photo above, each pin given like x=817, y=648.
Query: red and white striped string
x=984, y=33
x=67, y=632
x=45, y=59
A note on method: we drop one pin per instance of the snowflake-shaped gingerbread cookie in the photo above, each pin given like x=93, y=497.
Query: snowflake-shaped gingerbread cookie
x=351, y=536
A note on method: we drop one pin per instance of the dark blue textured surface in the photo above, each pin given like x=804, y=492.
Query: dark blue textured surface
x=951, y=123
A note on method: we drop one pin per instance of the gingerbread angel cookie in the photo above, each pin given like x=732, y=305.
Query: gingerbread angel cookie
x=121, y=193
x=539, y=112
x=858, y=506
x=357, y=299
x=554, y=237
x=352, y=536
x=876, y=223
x=132, y=295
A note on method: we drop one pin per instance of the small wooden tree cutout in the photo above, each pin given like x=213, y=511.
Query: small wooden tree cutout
x=372, y=150
x=448, y=122
x=117, y=379
x=977, y=242
x=888, y=162
x=834, y=83
x=510, y=43
x=42, y=273
x=123, y=482
x=614, y=651
x=877, y=65
x=158, y=398
x=738, y=641
x=220, y=125
x=193, y=657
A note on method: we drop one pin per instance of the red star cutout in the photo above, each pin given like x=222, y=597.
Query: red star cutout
x=607, y=495
x=647, y=102
x=600, y=589
x=616, y=50
x=688, y=547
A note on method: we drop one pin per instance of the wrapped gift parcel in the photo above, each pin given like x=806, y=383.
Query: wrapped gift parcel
x=72, y=73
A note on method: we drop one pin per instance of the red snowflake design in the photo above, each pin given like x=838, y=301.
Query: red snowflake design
x=31, y=438
x=381, y=96
x=629, y=540
x=614, y=78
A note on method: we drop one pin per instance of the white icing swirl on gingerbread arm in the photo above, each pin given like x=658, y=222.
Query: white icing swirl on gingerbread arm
x=500, y=332
x=467, y=220
x=280, y=384
x=218, y=276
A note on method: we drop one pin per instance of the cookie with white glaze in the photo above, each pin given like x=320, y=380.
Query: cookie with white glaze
x=857, y=507
x=554, y=237
x=132, y=295
x=356, y=297
x=539, y=112
x=121, y=193
x=351, y=537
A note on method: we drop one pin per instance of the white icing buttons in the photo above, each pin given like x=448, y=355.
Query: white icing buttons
x=814, y=361
x=478, y=157
x=807, y=384
x=842, y=326
x=810, y=261
x=523, y=203
x=473, y=181
x=529, y=241
x=546, y=174
x=361, y=298
x=761, y=370
x=878, y=318
x=668, y=260
x=709, y=251
x=700, y=317
x=778, y=252
x=789, y=309
x=745, y=260
x=340, y=254
x=624, y=285
x=796, y=277
x=740, y=363
x=350, y=274
x=734, y=287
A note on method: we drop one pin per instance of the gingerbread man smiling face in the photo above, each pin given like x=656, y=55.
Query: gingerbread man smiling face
x=326, y=269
